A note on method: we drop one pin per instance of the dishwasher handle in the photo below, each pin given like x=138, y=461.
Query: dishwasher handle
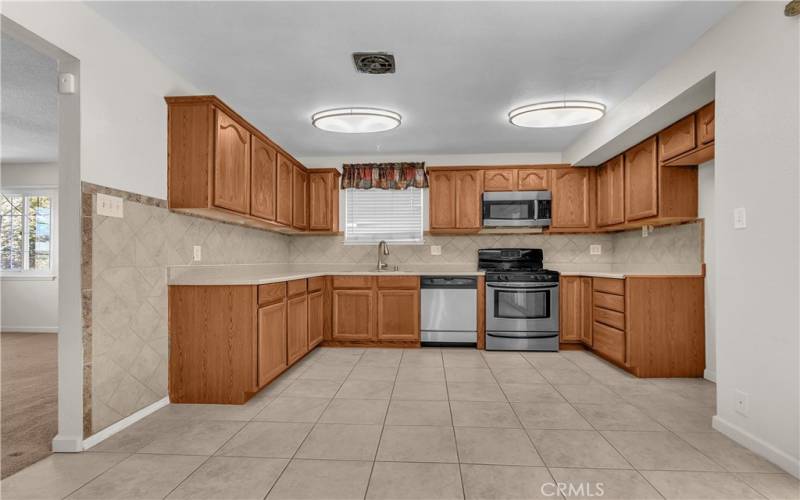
x=453, y=282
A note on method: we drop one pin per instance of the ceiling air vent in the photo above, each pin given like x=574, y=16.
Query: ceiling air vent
x=374, y=63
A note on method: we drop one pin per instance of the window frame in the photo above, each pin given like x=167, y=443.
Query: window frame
x=422, y=214
x=34, y=274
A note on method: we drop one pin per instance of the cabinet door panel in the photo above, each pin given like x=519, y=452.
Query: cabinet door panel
x=611, y=193
x=263, y=181
x=533, y=179
x=586, y=311
x=398, y=314
x=641, y=181
x=231, y=165
x=677, y=139
x=570, y=307
x=353, y=315
x=442, y=200
x=500, y=180
x=271, y=342
x=705, y=124
x=571, y=198
x=316, y=319
x=320, y=193
x=283, y=211
x=468, y=199
x=297, y=328
x=299, y=195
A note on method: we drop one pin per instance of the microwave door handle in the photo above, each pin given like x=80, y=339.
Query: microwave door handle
x=535, y=209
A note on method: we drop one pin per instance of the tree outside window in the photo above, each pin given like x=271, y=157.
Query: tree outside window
x=26, y=233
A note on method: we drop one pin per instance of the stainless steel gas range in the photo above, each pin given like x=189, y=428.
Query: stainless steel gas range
x=521, y=300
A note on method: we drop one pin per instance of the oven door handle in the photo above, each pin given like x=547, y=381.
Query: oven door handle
x=523, y=286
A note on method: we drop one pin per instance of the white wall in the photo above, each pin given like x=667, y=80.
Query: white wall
x=755, y=54
x=123, y=114
x=29, y=174
x=705, y=210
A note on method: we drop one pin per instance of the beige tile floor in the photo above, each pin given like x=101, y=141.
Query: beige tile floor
x=426, y=424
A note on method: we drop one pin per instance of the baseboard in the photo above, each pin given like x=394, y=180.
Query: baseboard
x=780, y=458
x=114, y=428
x=29, y=329
x=710, y=375
x=67, y=444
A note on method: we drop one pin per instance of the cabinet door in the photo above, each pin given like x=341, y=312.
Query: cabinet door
x=283, y=210
x=231, y=165
x=641, y=181
x=571, y=198
x=611, y=193
x=533, y=179
x=263, y=171
x=586, y=310
x=321, y=191
x=442, y=200
x=316, y=319
x=297, y=328
x=398, y=314
x=677, y=139
x=570, y=308
x=271, y=342
x=299, y=196
x=705, y=125
x=468, y=199
x=353, y=315
x=500, y=180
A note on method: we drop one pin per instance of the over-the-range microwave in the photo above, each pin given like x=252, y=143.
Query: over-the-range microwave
x=517, y=209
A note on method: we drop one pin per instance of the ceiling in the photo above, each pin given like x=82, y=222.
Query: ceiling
x=29, y=117
x=460, y=65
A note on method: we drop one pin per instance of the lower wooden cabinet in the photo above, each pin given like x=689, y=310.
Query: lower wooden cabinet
x=353, y=314
x=316, y=318
x=398, y=314
x=296, y=328
x=271, y=342
x=575, y=304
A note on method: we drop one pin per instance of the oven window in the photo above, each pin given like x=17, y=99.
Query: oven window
x=522, y=304
x=510, y=210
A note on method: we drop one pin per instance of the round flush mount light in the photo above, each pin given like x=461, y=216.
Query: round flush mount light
x=356, y=120
x=556, y=114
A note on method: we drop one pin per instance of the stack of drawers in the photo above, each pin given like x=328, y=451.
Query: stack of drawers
x=608, y=313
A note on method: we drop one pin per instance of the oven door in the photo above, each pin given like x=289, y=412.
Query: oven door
x=522, y=309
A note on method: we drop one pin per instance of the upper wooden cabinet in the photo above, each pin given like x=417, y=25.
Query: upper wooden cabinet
x=702, y=142
x=468, y=199
x=571, y=198
x=263, y=179
x=500, y=180
x=533, y=179
x=442, y=200
x=677, y=139
x=299, y=198
x=641, y=181
x=611, y=192
x=705, y=124
x=323, y=200
x=223, y=168
x=455, y=200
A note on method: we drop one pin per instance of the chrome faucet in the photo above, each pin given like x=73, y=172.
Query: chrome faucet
x=383, y=249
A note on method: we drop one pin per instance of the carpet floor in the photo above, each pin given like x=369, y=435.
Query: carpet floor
x=29, y=399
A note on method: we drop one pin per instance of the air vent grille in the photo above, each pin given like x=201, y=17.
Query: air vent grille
x=374, y=63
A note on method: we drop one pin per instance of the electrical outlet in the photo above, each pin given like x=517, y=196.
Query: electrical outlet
x=645, y=232
x=110, y=206
x=739, y=218
x=436, y=250
x=595, y=249
x=741, y=402
x=198, y=253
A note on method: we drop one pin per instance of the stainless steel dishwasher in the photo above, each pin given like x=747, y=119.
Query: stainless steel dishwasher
x=448, y=310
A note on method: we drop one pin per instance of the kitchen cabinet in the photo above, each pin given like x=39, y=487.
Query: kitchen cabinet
x=263, y=180
x=468, y=199
x=575, y=307
x=442, y=197
x=500, y=180
x=323, y=200
x=272, y=352
x=703, y=148
x=608, y=325
x=705, y=124
x=641, y=181
x=455, y=200
x=316, y=319
x=586, y=310
x=533, y=179
x=297, y=326
x=611, y=192
x=677, y=139
x=398, y=308
x=353, y=314
x=285, y=175
x=299, y=198
x=571, y=198
x=231, y=165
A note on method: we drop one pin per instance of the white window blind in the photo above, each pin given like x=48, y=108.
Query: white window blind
x=372, y=215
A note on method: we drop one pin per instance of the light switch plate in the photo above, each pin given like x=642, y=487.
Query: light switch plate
x=110, y=206
x=436, y=250
x=595, y=249
x=739, y=218
x=197, y=253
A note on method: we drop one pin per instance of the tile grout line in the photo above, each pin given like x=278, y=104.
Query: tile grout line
x=453, y=423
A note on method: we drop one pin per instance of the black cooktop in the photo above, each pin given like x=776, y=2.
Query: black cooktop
x=514, y=265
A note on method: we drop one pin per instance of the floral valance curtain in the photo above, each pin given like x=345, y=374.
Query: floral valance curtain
x=384, y=176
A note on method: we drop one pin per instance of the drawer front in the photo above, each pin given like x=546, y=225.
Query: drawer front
x=296, y=287
x=409, y=282
x=609, y=301
x=352, y=281
x=609, y=317
x=315, y=284
x=270, y=293
x=609, y=341
x=609, y=285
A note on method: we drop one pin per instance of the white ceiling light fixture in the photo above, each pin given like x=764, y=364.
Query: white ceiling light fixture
x=555, y=114
x=356, y=120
